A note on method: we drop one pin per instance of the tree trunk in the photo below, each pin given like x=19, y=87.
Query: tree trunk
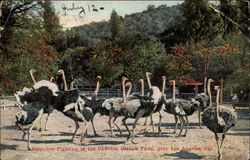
x=221, y=88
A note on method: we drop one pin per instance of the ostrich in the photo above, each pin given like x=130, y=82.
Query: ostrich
x=94, y=103
x=31, y=113
x=136, y=107
x=203, y=99
x=155, y=93
x=180, y=109
x=71, y=105
x=111, y=107
x=219, y=119
x=25, y=96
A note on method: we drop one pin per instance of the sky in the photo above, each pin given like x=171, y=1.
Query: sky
x=72, y=18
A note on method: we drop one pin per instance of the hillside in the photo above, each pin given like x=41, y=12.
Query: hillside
x=150, y=22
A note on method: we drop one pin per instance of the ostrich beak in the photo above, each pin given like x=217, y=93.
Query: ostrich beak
x=148, y=73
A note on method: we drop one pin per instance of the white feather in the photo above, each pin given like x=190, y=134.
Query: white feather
x=52, y=86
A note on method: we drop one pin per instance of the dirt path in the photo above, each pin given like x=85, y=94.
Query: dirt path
x=55, y=143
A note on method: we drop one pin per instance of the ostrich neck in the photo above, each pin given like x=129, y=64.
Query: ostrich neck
x=64, y=81
x=123, y=90
x=205, y=85
x=32, y=77
x=163, y=87
x=217, y=103
x=97, y=88
x=142, y=87
x=173, y=92
x=209, y=93
x=149, y=82
x=129, y=90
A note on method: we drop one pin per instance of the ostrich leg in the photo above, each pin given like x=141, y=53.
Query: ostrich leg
x=152, y=123
x=223, y=137
x=218, y=146
x=176, y=123
x=32, y=125
x=40, y=126
x=138, y=116
x=124, y=123
x=93, y=126
x=77, y=127
x=84, y=131
x=21, y=128
x=182, y=125
x=199, y=117
x=46, y=122
x=117, y=126
x=111, y=114
x=187, y=122
x=159, y=127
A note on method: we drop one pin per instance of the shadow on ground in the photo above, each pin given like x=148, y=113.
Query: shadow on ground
x=184, y=155
x=5, y=146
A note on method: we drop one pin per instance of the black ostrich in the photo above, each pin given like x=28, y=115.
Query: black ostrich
x=219, y=119
x=28, y=95
x=95, y=104
x=180, y=109
x=136, y=107
x=203, y=99
x=71, y=105
x=31, y=113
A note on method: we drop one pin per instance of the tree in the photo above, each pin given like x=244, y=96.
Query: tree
x=232, y=10
x=178, y=62
x=50, y=20
x=116, y=25
x=15, y=15
x=200, y=21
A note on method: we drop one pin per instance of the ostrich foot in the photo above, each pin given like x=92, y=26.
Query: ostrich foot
x=113, y=135
x=28, y=147
x=184, y=135
x=40, y=130
x=23, y=137
x=173, y=132
x=133, y=142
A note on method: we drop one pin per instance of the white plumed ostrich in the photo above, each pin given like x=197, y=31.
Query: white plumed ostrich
x=219, y=119
x=155, y=93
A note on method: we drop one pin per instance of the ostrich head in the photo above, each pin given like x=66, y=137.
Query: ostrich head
x=60, y=72
x=163, y=78
x=32, y=71
x=216, y=87
x=148, y=74
x=210, y=80
x=140, y=81
x=98, y=78
x=124, y=79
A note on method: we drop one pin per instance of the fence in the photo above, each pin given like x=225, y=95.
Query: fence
x=9, y=101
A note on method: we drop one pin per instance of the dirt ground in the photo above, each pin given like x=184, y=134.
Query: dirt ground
x=55, y=143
